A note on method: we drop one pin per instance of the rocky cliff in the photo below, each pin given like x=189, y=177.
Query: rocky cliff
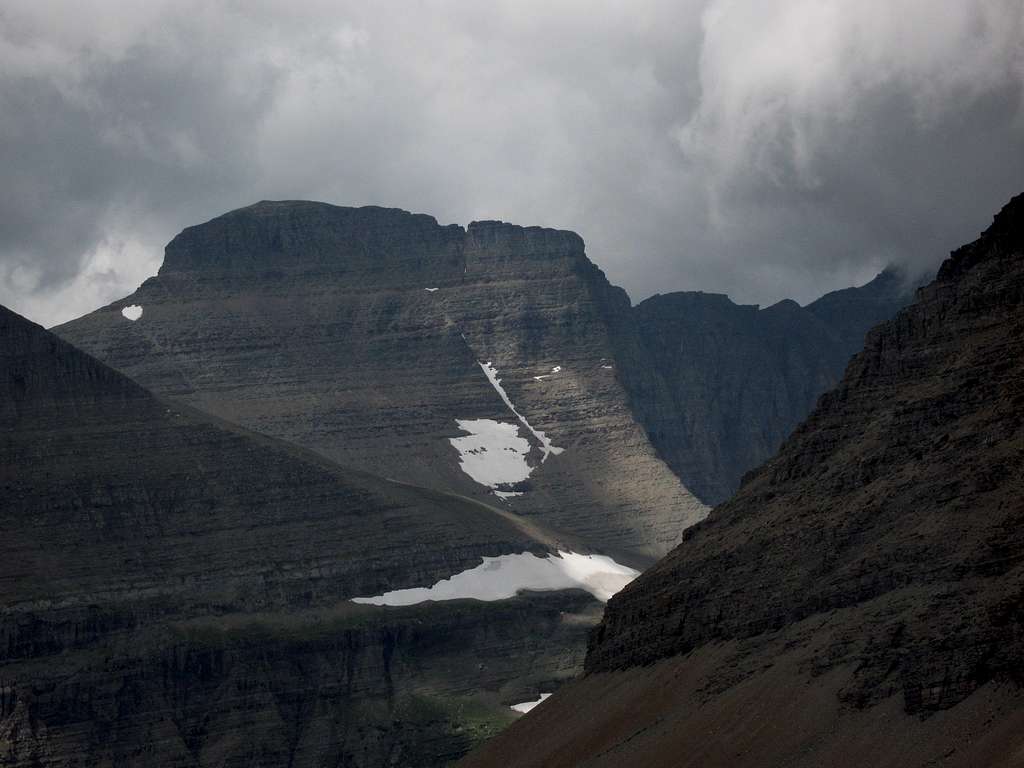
x=175, y=590
x=860, y=600
x=739, y=379
x=386, y=342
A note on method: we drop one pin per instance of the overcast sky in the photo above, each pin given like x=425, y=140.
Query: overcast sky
x=761, y=149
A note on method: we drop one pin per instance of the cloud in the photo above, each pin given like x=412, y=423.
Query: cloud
x=765, y=150
x=869, y=132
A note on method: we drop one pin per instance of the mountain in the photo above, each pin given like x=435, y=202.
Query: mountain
x=360, y=333
x=177, y=590
x=482, y=361
x=335, y=403
x=860, y=600
x=740, y=378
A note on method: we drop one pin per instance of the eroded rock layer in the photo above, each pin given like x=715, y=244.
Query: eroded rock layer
x=860, y=600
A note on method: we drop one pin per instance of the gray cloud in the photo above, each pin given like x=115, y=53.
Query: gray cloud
x=764, y=150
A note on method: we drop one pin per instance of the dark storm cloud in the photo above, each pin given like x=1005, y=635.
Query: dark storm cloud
x=761, y=149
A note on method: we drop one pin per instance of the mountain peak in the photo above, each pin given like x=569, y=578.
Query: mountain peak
x=303, y=235
x=1004, y=236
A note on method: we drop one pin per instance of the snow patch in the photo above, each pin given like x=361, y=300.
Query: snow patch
x=540, y=378
x=498, y=578
x=507, y=494
x=557, y=369
x=430, y=290
x=526, y=706
x=547, y=446
x=607, y=367
x=492, y=453
x=133, y=312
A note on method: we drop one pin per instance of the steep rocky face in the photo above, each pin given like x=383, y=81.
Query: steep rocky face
x=361, y=333
x=739, y=379
x=860, y=600
x=175, y=590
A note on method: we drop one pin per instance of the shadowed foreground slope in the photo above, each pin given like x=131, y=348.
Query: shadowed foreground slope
x=860, y=601
x=174, y=590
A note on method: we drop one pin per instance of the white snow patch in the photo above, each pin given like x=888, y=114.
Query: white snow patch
x=557, y=369
x=430, y=290
x=526, y=706
x=540, y=378
x=507, y=494
x=493, y=453
x=607, y=367
x=133, y=312
x=546, y=445
x=498, y=578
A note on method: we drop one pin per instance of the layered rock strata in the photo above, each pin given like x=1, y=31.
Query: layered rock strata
x=175, y=590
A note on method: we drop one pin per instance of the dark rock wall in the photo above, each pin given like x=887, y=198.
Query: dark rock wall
x=738, y=379
x=894, y=511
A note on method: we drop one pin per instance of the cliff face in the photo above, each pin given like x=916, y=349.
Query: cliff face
x=361, y=333
x=175, y=590
x=354, y=687
x=860, y=600
x=739, y=379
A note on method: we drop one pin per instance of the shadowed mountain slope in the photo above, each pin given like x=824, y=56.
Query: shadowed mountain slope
x=860, y=600
x=174, y=590
x=739, y=378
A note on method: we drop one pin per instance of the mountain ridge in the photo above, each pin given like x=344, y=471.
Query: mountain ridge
x=741, y=377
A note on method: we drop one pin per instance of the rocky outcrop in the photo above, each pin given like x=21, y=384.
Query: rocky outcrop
x=175, y=590
x=738, y=379
x=860, y=600
x=360, y=334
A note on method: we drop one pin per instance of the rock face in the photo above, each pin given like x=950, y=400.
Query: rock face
x=860, y=600
x=739, y=379
x=361, y=333
x=175, y=590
